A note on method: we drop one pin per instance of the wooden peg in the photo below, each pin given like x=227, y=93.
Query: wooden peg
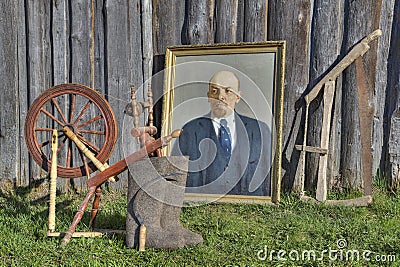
x=142, y=237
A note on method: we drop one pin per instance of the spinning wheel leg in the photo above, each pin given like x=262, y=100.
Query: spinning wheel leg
x=95, y=208
x=78, y=216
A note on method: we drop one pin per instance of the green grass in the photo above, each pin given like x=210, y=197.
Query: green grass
x=233, y=234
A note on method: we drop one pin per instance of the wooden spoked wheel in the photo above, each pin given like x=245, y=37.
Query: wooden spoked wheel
x=86, y=113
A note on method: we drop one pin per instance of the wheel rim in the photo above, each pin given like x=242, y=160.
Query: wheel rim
x=83, y=110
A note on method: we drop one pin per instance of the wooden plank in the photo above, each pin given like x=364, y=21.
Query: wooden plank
x=255, y=17
x=355, y=202
x=135, y=77
x=80, y=70
x=60, y=42
x=198, y=26
x=392, y=95
x=23, y=100
x=291, y=21
x=394, y=150
x=81, y=35
x=351, y=163
x=99, y=55
x=96, y=233
x=168, y=23
x=135, y=34
x=117, y=71
x=322, y=187
x=240, y=21
x=135, y=61
x=39, y=63
x=324, y=51
x=382, y=80
x=226, y=16
x=312, y=149
x=60, y=47
x=366, y=113
x=358, y=50
x=9, y=124
x=335, y=144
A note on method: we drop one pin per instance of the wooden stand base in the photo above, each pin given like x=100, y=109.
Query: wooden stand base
x=355, y=202
x=95, y=233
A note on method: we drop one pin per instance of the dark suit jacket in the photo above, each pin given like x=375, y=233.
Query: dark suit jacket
x=247, y=171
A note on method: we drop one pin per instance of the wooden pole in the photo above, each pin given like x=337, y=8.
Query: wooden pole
x=53, y=182
x=87, y=152
x=147, y=29
x=322, y=186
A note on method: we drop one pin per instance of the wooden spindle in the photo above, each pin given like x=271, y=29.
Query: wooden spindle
x=53, y=182
x=150, y=100
x=134, y=107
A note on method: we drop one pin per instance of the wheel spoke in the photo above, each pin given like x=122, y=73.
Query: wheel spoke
x=90, y=121
x=93, y=146
x=48, y=130
x=62, y=144
x=85, y=164
x=49, y=141
x=44, y=144
x=92, y=132
x=52, y=117
x=71, y=112
x=83, y=111
x=79, y=108
x=43, y=129
x=69, y=154
x=59, y=110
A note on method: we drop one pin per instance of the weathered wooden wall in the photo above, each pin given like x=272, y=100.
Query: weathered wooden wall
x=100, y=44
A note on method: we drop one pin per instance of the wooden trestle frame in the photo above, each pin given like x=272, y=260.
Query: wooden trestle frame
x=366, y=116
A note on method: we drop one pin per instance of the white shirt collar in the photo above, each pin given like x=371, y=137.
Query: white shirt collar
x=231, y=124
x=230, y=119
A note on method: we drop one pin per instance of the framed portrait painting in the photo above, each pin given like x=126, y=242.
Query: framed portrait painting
x=228, y=100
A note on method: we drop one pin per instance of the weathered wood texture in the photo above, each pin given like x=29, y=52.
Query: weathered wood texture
x=385, y=42
x=9, y=119
x=394, y=150
x=100, y=44
x=392, y=93
x=355, y=28
x=291, y=21
x=22, y=100
x=324, y=53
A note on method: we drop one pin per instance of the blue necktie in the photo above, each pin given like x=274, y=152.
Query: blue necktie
x=224, y=138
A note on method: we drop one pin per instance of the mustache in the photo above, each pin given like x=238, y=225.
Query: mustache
x=216, y=101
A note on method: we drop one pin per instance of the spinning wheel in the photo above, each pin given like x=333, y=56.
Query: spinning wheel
x=86, y=113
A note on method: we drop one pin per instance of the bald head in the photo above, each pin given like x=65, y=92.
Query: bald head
x=223, y=93
x=226, y=79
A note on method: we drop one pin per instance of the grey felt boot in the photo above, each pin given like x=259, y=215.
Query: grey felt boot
x=173, y=201
x=146, y=192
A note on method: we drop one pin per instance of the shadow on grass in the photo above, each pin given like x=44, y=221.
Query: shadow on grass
x=33, y=201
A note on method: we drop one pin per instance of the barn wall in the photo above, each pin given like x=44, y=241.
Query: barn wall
x=100, y=44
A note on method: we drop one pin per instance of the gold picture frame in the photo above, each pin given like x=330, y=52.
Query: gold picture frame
x=261, y=65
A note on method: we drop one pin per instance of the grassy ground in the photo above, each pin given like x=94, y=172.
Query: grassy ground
x=235, y=235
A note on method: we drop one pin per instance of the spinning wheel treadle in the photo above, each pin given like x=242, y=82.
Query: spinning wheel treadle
x=86, y=113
